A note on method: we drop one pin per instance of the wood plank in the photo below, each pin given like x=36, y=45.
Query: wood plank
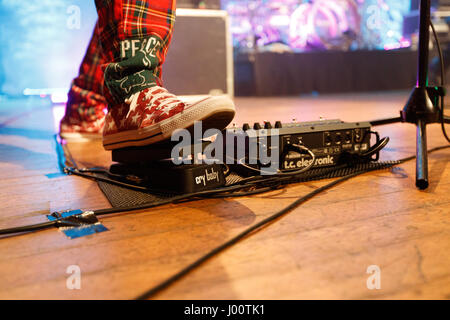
x=319, y=250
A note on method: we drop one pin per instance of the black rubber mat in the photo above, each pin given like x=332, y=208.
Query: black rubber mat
x=123, y=197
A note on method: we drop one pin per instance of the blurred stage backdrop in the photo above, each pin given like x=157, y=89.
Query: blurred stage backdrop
x=279, y=47
x=320, y=24
x=42, y=43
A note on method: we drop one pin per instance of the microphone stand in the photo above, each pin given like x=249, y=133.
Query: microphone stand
x=422, y=106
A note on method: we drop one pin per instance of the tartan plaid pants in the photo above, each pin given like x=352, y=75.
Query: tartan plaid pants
x=125, y=55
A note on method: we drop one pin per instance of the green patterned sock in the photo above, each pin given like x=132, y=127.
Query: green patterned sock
x=137, y=69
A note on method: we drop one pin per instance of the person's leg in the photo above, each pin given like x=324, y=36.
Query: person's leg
x=86, y=105
x=135, y=35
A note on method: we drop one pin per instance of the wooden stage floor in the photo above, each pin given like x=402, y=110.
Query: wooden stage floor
x=320, y=250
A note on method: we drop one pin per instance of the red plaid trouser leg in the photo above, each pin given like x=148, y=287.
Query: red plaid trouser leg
x=86, y=102
x=131, y=35
x=135, y=35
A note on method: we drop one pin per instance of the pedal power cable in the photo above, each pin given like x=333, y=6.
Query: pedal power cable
x=442, y=68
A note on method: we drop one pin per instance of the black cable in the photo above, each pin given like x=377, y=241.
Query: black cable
x=62, y=151
x=82, y=173
x=199, y=194
x=33, y=227
x=240, y=236
x=243, y=194
x=221, y=192
x=441, y=59
x=280, y=173
x=101, y=212
x=151, y=292
x=376, y=148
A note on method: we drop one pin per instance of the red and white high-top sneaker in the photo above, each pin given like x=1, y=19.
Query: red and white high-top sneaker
x=153, y=114
x=76, y=129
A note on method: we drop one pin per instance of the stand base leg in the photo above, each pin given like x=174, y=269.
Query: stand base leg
x=446, y=119
x=382, y=122
x=422, y=156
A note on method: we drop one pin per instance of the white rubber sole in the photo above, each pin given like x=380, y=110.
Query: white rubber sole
x=80, y=137
x=214, y=112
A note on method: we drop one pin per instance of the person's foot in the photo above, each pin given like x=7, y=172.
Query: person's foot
x=72, y=129
x=153, y=114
